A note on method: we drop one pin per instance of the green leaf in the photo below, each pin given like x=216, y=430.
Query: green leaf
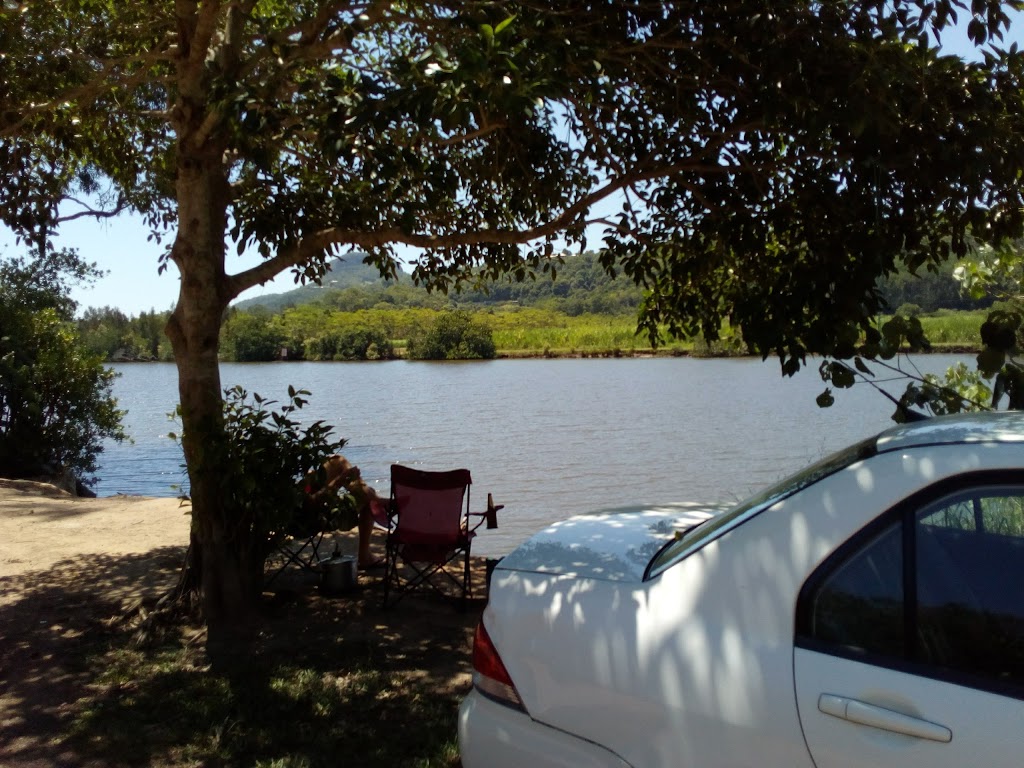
x=842, y=376
x=503, y=25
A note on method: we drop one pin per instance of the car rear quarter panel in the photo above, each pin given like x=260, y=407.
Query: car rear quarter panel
x=696, y=666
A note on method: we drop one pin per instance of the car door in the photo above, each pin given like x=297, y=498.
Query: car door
x=910, y=638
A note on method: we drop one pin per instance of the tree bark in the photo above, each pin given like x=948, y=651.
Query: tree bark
x=225, y=557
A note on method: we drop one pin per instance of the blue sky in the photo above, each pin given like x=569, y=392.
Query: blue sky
x=132, y=284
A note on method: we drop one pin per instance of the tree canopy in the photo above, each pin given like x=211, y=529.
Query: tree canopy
x=758, y=156
x=744, y=160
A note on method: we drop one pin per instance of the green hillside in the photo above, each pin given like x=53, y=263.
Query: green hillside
x=348, y=271
x=582, y=287
x=355, y=315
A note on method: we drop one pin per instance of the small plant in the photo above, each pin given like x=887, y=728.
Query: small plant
x=276, y=468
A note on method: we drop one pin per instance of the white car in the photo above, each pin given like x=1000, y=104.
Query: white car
x=868, y=611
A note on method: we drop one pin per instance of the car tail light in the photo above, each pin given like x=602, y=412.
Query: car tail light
x=489, y=674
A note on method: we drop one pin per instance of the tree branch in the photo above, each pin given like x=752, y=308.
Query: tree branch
x=91, y=91
x=232, y=45
x=203, y=33
x=210, y=122
x=463, y=137
x=311, y=29
x=339, y=41
x=89, y=212
x=318, y=242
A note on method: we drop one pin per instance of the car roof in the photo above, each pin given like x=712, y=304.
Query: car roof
x=983, y=427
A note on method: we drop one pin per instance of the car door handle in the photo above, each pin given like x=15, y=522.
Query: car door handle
x=878, y=717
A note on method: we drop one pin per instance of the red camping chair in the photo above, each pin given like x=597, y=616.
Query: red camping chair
x=431, y=529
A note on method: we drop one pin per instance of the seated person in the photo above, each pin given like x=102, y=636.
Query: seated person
x=340, y=473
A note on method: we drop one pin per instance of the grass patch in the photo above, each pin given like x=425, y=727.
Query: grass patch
x=954, y=328
x=330, y=681
x=521, y=332
x=306, y=698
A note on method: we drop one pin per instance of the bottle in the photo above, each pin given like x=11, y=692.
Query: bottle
x=492, y=513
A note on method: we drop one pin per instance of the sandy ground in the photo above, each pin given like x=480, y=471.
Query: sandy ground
x=41, y=527
x=67, y=565
x=68, y=569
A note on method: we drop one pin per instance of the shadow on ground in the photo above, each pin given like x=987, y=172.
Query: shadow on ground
x=53, y=624
x=332, y=679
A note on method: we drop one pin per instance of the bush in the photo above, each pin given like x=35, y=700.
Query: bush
x=909, y=310
x=56, y=405
x=454, y=336
x=350, y=344
x=272, y=465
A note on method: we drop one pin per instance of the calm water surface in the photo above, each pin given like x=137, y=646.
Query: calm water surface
x=548, y=438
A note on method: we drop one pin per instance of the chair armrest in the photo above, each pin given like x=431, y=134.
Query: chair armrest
x=490, y=515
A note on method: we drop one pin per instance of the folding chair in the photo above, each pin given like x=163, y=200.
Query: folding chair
x=431, y=529
x=299, y=550
x=299, y=545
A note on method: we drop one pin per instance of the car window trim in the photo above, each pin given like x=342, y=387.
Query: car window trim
x=915, y=668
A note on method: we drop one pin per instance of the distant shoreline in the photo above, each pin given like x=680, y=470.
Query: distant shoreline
x=936, y=349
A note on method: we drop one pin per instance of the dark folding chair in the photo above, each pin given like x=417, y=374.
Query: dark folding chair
x=300, y=550
x=299, y=546
x=431, y=530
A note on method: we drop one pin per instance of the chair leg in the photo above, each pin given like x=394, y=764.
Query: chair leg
x=427, y=575
x=467, y=583
x=387, y=575
x=295, y=556
x=390, y=572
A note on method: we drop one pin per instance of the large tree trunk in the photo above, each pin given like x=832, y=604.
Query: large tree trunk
x=226, y=563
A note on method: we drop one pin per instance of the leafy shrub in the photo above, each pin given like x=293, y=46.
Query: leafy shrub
x=454, y=336
x=56, y=405
x=350, y=344
x=909, y=310
x=270, y=468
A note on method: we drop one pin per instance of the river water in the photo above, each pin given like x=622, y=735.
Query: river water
x=548, y=438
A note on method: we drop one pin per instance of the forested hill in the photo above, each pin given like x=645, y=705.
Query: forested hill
x=348, y=271
x=582, y=287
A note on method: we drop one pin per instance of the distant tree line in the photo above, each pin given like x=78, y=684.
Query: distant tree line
x=357, y=319
x=315, y=332
x=928, y=291
x=113, y=335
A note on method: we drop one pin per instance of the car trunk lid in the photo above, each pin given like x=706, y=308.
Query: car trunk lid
x=611, y=545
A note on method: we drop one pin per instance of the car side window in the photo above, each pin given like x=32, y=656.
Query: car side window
x=970, y=604
x=941, y=587
x=859, y=606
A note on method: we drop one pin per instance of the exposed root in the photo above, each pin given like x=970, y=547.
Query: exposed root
x=152, y=620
